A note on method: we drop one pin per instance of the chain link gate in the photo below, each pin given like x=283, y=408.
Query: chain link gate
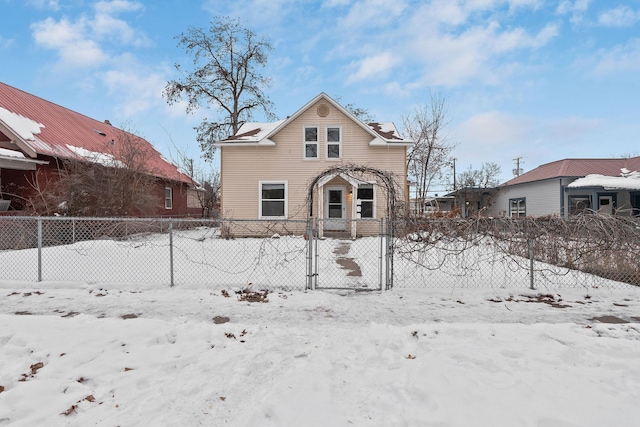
x=336, y=261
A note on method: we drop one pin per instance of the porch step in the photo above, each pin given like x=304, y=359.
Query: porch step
x=337, y=235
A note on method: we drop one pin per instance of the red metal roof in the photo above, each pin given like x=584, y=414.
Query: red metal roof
x=64, y=127
x=577, y=168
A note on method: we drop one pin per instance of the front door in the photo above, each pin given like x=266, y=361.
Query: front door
x=335, y=209
x=605, y=205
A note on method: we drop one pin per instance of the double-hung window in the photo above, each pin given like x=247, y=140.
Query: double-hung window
x=311, y=142
x=579, y=204
x=334, y=142
x=517, y=207
x=168, y=198
x=273, y=200
x=365, y=201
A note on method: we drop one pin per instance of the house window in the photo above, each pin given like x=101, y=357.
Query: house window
x=365, y=202
x=579, y=204
x=334, y=143
x=273, y=200
x=518, y=207
x=168, y=198
x=310, y=142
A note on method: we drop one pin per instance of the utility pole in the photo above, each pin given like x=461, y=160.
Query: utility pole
x=453, y=160
x=517, y=171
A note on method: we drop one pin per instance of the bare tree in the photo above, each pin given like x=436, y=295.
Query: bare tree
x=205, y=185
x=115, y=182
x=224, y=76
x=428, y=158
x=485, y=177
x=475, y=185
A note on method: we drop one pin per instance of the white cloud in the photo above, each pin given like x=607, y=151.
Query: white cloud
x=5, y=43
x=621, y=16
x=69, y=40
x=45, y=4
x=83, y=42
x=575, y=8
x=619, y=59
x=373, y=67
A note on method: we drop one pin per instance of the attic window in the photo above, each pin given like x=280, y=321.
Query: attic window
x=99, y=132
x=323, y=110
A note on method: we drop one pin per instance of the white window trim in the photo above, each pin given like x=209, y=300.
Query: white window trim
x=168, y=201
x=520, y=200
x=373, y=185
x=305, y=142
x=327, y=143
x=286, y=199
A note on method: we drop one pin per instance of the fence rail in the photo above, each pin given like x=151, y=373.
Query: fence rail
x=588, y=251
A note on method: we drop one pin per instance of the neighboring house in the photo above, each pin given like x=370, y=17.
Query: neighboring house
x=267, y=170
x=560, y=188
x=432, y=206
x=37, y=136
x=474, y=201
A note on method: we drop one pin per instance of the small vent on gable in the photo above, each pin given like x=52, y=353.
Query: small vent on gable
x=323, y=110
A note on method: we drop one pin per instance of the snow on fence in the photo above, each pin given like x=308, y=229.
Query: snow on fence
x=587, y=251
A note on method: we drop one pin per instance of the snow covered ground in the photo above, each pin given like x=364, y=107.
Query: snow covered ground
x=74, y=353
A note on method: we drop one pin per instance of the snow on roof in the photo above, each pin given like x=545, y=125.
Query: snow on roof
x=4, y=152
x=626, y=181
x=24, y=114
x=23, y=126
x=253, y=132
x=95, y=157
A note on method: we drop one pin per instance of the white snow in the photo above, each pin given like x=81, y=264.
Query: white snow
x=627, y=180
x=104, y=159
x=23, y=126
x=126, y=354
x=4, y=152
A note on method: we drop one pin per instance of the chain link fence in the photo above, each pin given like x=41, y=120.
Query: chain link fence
x=586, y=251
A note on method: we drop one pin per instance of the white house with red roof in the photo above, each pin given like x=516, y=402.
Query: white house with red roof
x=571, y=186
x=35, y=134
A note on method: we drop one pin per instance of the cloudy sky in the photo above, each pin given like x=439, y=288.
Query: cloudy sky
x=538, y=79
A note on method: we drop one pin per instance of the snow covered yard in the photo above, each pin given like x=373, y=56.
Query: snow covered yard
x=73, y=354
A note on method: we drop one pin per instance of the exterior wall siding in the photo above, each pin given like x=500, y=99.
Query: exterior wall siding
x=542, y=198
x=244, y=167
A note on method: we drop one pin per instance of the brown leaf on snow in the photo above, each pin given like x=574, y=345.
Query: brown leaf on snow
x=90, y=398
x=1, y=388
x=69, y=411
x=411, y=357
x=229, y=335
x=128, y=369
x=223, y=398
x=35, y=367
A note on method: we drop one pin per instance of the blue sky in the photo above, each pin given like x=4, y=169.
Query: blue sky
x=538, y=79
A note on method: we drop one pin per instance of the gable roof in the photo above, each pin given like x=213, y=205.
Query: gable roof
x=576, y=168
x=252, y=134
x=39, y=127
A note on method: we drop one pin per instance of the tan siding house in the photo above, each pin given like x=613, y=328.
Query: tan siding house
x=267, y=169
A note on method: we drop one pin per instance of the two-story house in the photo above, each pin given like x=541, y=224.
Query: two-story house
x=320, y=162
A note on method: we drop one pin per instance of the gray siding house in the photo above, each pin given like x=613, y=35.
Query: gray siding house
x=547, y=189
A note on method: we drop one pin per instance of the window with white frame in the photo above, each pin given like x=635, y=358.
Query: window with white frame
x=365, y=202
x=168, y=198
x=273, y=199
x=334, y=142
x=518, y=207
x=311, y=142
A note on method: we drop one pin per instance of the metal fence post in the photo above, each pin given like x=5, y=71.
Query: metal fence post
x=309, y=253
x=39, y=249
x=531, y=281
x=381, y=258
x=171, y=250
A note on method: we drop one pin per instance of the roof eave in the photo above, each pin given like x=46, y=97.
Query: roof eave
x=381, y=142
x=265, y=142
